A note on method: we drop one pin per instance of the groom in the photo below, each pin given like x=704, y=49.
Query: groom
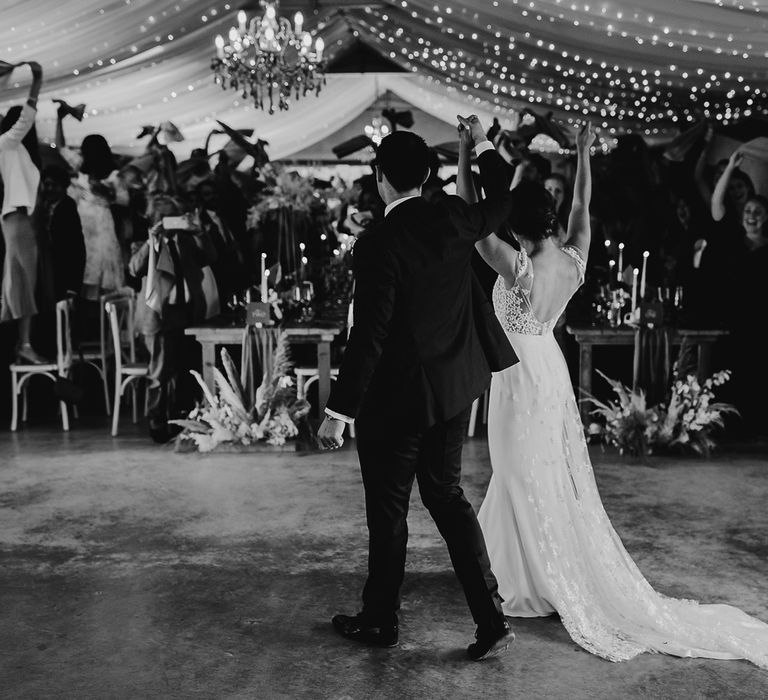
x=423, y=345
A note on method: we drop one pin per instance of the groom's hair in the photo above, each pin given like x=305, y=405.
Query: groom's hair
x=404, y=159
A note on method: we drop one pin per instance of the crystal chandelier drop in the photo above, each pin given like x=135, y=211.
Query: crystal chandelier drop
x=269, y=59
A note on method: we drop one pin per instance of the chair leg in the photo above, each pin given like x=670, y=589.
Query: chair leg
x=473, y=418
x=116, y=407
x=64, y=415
x=300, y=386
x=14, y=401
x=134, y=402
x=24, y=402
x=105, y=383
x=352, y=429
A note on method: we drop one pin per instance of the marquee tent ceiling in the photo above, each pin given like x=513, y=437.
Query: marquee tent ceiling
x=650, y=66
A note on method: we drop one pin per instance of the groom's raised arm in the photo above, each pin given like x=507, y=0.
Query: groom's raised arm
x=495, y=174
x=372, y=306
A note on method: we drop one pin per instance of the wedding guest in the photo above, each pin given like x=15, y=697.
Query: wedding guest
x=171, y=264
x=745, y=286
x=558, y=187
x=96, y=186
x=733, y=189
x=63, y=232
x=215, y=222
x=20, y=173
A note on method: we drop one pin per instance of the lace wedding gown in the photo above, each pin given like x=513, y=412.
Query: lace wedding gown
x=551, y=545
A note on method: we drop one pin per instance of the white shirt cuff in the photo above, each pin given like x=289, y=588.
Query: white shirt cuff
x=482, y=147
x=338, y=416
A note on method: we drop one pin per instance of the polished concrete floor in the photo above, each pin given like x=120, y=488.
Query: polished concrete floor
x=130, y=571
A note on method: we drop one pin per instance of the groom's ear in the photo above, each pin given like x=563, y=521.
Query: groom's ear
x=426, y=177
x=379, y=173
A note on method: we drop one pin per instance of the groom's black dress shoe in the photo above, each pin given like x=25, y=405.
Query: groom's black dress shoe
x=360, y=630
x=491, y=642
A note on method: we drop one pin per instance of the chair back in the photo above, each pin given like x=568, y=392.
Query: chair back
x=64, y=335
x=128, y=345
x=120, y=317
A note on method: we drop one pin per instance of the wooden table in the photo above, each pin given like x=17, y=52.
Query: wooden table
x=210, y=335
x=589, y=336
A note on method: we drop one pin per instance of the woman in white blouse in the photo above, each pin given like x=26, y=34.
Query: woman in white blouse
x=20, y=172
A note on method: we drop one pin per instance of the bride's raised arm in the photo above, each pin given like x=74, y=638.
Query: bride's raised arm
x=579, y=231
x=498, y=254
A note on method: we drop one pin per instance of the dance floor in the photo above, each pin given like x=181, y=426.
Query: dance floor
x=131, y=571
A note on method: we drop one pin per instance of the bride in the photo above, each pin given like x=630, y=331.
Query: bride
x=551, y=545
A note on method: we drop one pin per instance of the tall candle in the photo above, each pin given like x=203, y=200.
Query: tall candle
x=319, y=46
x=642, y=276
x=264, y=278
x=298, y=22
x=302, y=260
x=611, y=268
x=241, y=21
x=621, y=262
x=219, y=46
x=635, y=272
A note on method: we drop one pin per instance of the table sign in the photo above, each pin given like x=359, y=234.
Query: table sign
x=258, y=314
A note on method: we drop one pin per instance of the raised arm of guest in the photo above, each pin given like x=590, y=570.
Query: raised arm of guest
x=699, y=170
x=13, y=137
x=579, y=231
x=73, y=159
x=718, y=196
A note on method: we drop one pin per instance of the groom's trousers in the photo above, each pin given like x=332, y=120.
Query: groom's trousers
x=389, y=461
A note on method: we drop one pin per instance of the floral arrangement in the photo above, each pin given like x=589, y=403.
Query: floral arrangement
x=686, y=421
x=227, y=418
x=285, y=190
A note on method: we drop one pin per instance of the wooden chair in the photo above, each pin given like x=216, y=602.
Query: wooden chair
x=120, y=313
x=96, y=353
x=21, y=373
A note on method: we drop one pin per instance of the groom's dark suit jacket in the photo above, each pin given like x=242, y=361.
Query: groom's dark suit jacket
x=425, y=338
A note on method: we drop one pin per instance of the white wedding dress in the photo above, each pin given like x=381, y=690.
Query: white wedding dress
x=551, y=545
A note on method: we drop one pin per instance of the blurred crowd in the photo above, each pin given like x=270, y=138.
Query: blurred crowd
x=189, y=238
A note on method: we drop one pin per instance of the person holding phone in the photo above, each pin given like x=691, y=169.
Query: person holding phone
x=171, y=264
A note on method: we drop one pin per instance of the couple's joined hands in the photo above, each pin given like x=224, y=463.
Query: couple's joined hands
x=471, y=133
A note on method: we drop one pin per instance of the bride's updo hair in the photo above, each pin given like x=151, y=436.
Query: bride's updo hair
x=533, y=216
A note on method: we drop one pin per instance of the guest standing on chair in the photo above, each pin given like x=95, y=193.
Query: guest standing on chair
x=62, y=231
x=422, y=348
x=20, y=172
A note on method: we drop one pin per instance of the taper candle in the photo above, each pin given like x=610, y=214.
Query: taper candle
x=621, y=262
x=264, y=278
x=642, y=276
x=635, y=272
x=241, y=21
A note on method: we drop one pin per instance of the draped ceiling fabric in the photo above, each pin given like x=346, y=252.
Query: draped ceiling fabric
x=648, y=66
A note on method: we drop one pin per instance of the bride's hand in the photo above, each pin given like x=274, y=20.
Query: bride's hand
x=585, y=138
x=475, y=128
x=466, y=142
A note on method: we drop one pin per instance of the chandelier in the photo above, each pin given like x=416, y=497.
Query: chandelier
x=269, y=59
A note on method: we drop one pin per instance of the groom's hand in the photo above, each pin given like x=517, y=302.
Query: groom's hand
x=330, y=433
